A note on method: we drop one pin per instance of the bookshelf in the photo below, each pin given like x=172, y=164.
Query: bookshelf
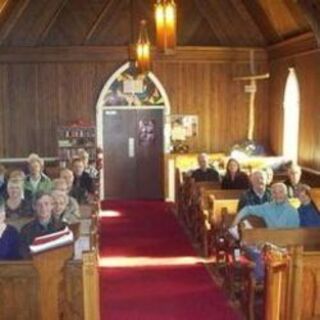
x=71, y=138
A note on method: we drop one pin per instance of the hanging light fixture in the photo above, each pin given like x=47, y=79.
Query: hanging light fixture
x=143, y=49
x=166, y=24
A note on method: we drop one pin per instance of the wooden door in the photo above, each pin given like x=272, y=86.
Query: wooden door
x=119, y=168
x=133, y=153
x=150, y=169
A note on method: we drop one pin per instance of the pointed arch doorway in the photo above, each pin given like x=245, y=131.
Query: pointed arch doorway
x=131, y=112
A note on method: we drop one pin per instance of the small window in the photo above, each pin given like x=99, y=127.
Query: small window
x=291, y=107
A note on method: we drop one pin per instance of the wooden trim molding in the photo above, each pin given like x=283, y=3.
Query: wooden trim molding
x=120, y=54
x=302, y=44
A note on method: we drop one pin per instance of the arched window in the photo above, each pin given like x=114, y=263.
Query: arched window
x=291, y=106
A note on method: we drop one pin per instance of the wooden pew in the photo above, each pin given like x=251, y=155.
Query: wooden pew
x=20, y=281
x=292, y=277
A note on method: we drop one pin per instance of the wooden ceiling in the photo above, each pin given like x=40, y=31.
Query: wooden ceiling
x=116, y=22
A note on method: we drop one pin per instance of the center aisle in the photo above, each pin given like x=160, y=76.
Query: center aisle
x=148, y=269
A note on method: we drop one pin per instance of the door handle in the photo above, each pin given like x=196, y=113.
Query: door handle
x=131, y=151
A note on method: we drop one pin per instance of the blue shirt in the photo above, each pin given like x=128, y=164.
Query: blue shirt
x=276, y=215
x=309, y=216
x=9, y=244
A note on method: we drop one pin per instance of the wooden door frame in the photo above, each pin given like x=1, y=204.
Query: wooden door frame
x=100, y=108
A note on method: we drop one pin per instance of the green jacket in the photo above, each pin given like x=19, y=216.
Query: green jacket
x=44, y=185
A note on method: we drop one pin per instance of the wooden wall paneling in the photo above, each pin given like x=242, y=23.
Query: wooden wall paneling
x=22, y=120
x=43, y=95
x=47, y=108
x=277, y=84
x=3, y=108
x=307, y=67
x=75, y=100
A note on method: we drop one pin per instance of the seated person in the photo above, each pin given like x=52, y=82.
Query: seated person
x=60, y=208
x=42, y=224
x=83, y=185
x=258, y=193
x=3, y=183
x=234, y=177
x=90, y=169
x=293, y=180
x=276, y=214
x=18, y=175
x=68, y=176
x=308, y=212
x=16, y=206
x=9, y=239
x=205, y=173
x=269, y=173
x=60, y=184
x=36, y=181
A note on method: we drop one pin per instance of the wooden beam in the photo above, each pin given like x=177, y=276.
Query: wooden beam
x=17, y=12
x=121, y=54
x=106, y=9
x=302, y=44
x=262, y=21
x=311, y=10
x=52, y=21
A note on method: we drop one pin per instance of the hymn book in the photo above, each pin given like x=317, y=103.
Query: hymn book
x=52, y=240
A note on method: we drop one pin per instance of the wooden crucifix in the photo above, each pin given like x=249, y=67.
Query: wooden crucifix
x=252, y=90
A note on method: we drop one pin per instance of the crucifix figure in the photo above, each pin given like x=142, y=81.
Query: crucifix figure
x=252, y=90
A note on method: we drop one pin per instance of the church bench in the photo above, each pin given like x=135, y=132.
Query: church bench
x=77, y=278
x=20, y=285
x=292, y=275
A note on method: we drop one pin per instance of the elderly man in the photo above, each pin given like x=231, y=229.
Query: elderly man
x=42, y=224
x=276, y=214
x=258, y=193
x=293, y=180
x=204, y=173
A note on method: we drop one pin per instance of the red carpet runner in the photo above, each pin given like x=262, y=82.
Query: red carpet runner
x=148, y=269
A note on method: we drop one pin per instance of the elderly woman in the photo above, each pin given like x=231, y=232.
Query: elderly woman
x=234, y=177
x=72, y=206
x=61, y=212
x=16, y=206
x=83, y=187
x=90, y=169
x=9, y=239
x=308, y=213
x=36, y=181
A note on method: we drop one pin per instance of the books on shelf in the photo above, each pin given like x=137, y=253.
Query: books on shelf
x=52, y=240
x=76, y=136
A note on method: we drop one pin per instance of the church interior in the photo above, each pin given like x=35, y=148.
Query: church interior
x=159, y=159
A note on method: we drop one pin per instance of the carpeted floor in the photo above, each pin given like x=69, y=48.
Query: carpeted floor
x=148, y=269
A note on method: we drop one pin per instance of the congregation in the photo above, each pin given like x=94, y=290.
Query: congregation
x=262, y=196
x=32, y=204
